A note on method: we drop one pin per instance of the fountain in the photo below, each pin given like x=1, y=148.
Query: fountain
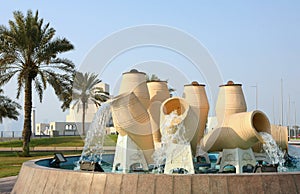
x=93, y=148
x=162, y=146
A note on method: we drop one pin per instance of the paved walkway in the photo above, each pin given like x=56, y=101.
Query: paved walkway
x=7, y=184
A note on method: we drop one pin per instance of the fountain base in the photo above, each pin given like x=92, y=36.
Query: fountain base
x=238, y=158
x=90, y=166
x=179, y=157
x=40, y=179
x=128, y=156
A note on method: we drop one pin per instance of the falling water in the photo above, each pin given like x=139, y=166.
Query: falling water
x=172, y=131
x=293, y=160
x=274, y=153
x=93, y=144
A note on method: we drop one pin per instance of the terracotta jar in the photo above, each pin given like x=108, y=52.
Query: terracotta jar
x=196, y=97
x=187, y=117
x=135, y=81
x=130, y=117
x=279, y=134
x=240, y=130
x=230, y=100
x=159, y=92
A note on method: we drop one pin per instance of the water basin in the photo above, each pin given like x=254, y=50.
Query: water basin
x=107, y=161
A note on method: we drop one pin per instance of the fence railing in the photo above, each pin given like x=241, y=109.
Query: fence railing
x=18, y=134
x=10, y=134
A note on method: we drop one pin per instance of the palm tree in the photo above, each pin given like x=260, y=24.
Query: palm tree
x=8, y=108
x=85, y=90
x=29, y=52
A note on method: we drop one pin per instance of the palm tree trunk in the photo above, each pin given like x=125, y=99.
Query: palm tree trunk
x=26, y=134
x=83, y=118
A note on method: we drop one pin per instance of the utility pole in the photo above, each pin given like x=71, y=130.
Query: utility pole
x=33, y=122
x=281, y=102
x=274, y=120
x=295, y=127
x=295, y=113
x=256, y=95
x=289, y=112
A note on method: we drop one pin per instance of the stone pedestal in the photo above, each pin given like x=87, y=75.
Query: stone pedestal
x=179, y=156
x=128, y=155
x=238, y=158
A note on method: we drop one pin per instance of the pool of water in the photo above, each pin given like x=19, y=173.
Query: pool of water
x=71, y=163
x=107, y=161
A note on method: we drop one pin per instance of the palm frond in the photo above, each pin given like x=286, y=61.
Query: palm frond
x=20, y=82
x=39, y=89
x=8, y=108
x=5, y=77
x=85, y=89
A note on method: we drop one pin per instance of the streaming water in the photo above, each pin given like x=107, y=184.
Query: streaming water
x=172, y=131
x=293, y=161
x=274, y=153
x=93, y=144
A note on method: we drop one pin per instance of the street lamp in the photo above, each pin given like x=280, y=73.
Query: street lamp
x=33, y=121
x=295, y=120
x=256, y=95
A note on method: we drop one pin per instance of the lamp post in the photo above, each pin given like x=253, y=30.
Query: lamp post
x=295, y=119
x=256, y=95
x=33, y=121
x=281, y=92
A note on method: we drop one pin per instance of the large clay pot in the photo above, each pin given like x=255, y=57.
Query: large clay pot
x=188, y=117
x=135, y=81
x=196, y=97
x=240, y=130
x=230, y=100
x=159, y=92
x=279, y=134
x=130, y=117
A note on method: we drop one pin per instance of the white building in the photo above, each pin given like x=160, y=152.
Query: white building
x=73, y=123
x=63, y=128
x=41, y=128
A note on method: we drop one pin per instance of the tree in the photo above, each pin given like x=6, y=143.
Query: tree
x=29, y=51
x=171, y=91
x=85, y=90
x=154, y=78
x=151, y=78
x=8, y=108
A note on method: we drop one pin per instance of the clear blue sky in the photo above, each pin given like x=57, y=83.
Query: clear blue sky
x=253, y=42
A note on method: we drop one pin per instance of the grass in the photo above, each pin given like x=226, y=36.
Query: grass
x=11, y=162
x=69, y=141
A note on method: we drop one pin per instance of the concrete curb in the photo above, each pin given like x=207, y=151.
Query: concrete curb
x=49, y=180
x=7, y=184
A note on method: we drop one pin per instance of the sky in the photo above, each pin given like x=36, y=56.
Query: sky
x=255, y=43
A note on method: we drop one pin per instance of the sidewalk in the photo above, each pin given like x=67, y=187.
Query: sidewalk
x=7, y=184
